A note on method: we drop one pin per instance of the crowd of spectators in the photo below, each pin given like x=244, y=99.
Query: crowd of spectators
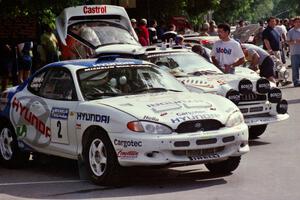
x=280, y=38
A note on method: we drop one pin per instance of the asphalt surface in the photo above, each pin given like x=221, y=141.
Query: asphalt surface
x=270, y=171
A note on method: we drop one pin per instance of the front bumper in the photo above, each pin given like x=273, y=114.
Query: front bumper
x=136, y=149
x=255, y=121
x=261, y=113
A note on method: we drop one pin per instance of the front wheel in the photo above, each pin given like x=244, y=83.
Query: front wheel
x=10, y=154
x=100, y=159
x=224, y=167
x=256, y=131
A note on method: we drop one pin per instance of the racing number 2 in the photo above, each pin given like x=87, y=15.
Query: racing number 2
x=58, y=124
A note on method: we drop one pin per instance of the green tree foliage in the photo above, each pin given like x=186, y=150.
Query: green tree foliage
x=231, y=10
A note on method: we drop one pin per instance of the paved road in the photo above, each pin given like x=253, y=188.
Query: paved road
x=269, y=172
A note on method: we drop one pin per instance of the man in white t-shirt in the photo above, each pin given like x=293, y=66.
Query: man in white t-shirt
x=227, y=53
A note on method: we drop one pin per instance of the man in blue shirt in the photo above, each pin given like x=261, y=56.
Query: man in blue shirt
x=293, y=39
x=271, y=38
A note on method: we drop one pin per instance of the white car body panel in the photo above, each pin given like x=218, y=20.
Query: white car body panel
x=57, y=127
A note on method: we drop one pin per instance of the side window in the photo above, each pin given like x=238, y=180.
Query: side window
x=59, y=86
x=36, y=83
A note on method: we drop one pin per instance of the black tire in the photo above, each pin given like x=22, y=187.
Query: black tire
x=256, y=131
x=110, y=168
x=224, y=167
x=10, y=154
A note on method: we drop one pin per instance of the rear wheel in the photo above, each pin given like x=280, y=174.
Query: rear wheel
x=224, y=167
x=100, y=159
x=10, y=154
x=256, y=131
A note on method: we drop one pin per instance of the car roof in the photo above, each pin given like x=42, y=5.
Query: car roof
x=100, y=62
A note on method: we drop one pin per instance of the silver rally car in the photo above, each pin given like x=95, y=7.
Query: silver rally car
x=260, y=102
x=117, y=112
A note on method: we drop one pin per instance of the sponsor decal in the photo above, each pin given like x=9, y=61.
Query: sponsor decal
x=94, y=10
x=224, y=50
x=101, y=66
x=59, y=113
x=21, y=131
x=188, y=113
x=173, y=102
x=31, y=118
x=151, y=118
x=204, y=157
x=195, y=117
x=163, y=114
x=127, y=143
x=127, y=154
x=93, y=117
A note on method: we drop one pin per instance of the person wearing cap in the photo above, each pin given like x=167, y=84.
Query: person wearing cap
x=259, y=59
x=144, y=31
x=133, y=23
x=227, y=53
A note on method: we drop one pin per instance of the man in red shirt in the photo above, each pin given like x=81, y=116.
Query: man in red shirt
x=144, y=31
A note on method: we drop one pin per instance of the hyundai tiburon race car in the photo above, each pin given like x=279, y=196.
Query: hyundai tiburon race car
x=260, y=102
x=116, y=112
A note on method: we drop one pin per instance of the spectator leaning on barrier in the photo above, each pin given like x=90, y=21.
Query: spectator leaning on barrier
x=271, y=38
x=293, y=39
x=227, y=53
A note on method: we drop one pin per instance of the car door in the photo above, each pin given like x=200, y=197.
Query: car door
x=55, y=94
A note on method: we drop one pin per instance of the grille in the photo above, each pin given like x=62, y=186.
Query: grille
x=198, y=152
x=252, y=97
x=199, y=125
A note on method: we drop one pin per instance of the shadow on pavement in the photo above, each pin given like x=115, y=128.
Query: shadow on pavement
x=257, y=143
x=135, y=182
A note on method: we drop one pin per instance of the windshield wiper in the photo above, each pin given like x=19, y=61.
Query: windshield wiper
x=154, y=90
x=95, y=95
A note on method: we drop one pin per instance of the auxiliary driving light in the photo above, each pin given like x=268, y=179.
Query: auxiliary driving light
x=282, y=107
x=245, y=86
x=233, y=96
x=274, y=95
x=263, y=86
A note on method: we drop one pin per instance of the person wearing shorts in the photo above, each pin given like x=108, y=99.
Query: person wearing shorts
x=259, y=58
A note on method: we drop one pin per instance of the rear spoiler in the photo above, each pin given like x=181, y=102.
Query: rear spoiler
x=76, y=14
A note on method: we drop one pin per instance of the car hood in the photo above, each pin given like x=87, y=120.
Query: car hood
x=172, y=108
x=218, y=83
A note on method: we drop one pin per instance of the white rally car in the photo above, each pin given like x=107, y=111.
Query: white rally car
x=259, y=102
x=118, y=112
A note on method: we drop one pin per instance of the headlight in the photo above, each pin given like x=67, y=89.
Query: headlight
x=282, y=107
x=233, y=96
x=263, y=86
x=245, y=86
x=274, y=95
x=149, y=127
x=235, y=119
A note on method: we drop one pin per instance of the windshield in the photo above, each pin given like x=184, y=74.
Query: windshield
x=181, y=64
x=125, y=80
x=99, y=33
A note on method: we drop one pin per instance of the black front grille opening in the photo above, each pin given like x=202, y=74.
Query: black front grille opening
x=253, y=97
x=228, y=139
x=182, y=144
x=206, y=141
x=199, y=125
x=198, y=152
x=256, y=109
